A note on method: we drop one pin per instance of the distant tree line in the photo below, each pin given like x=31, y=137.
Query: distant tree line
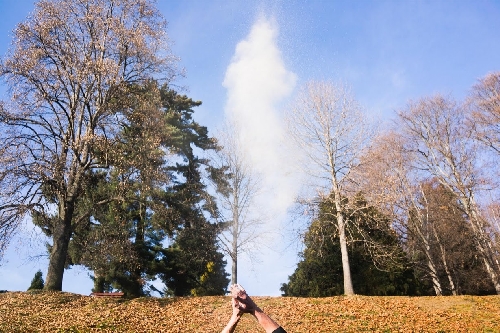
x=414, y=211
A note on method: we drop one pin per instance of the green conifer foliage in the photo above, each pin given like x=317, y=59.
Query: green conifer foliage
x=154, y=214
x=37, y=283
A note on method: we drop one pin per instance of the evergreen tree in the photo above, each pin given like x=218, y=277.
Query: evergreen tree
x=37, y=283
x=159, y=179
x=194, y=267
x=319, y=273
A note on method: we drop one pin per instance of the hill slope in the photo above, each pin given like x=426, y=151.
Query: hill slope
x=64, y=312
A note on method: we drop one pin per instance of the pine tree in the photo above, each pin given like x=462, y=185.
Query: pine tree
x=37, y=283
x=155, y=170
x=193, y=265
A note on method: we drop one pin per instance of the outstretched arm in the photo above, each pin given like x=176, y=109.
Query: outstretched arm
x=235, y=317
x=265, y=321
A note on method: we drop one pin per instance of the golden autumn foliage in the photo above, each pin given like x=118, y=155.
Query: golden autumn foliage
x=65, y=312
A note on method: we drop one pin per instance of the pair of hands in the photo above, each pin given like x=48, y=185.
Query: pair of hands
x=241, y=302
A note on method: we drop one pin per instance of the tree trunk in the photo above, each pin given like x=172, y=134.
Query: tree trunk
x=445, y=263
x=425, y=240
x=59, y=252
x=98, y=284
x=234, y=256
x=234, y=269
x=493, y=275
x=236, y=227
x=135, y=287
x=435, y=279
x=346, y=268
x=481, y=237
x=436, y=284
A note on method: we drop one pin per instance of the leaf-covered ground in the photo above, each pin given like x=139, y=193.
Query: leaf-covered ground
x=64, y=312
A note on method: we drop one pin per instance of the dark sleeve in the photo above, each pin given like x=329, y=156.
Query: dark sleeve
x=279, y=330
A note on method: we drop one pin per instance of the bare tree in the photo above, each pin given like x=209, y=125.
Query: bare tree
x=70, y=70
x=485, y=115
x=492, y=214
x=437, y=135
x=329, y=127
x=240, y=216
x=389, y=182
x=430, y=223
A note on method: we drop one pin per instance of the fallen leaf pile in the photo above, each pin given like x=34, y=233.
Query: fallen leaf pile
x=65, y=312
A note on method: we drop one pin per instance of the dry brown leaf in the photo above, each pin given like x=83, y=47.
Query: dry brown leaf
x=64, y=312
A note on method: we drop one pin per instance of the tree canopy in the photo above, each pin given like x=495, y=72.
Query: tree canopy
x=162, y=228
x=71, y=70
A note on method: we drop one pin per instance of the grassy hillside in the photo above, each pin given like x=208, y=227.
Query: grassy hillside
x=64, y=312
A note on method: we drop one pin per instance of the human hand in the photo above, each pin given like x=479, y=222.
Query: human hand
x=244, y=302
x=235, y=317
x=238, y=311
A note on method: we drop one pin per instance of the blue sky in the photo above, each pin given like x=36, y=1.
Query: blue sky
x=388, y=52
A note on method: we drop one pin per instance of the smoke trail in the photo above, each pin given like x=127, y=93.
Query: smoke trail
x=257, y=81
